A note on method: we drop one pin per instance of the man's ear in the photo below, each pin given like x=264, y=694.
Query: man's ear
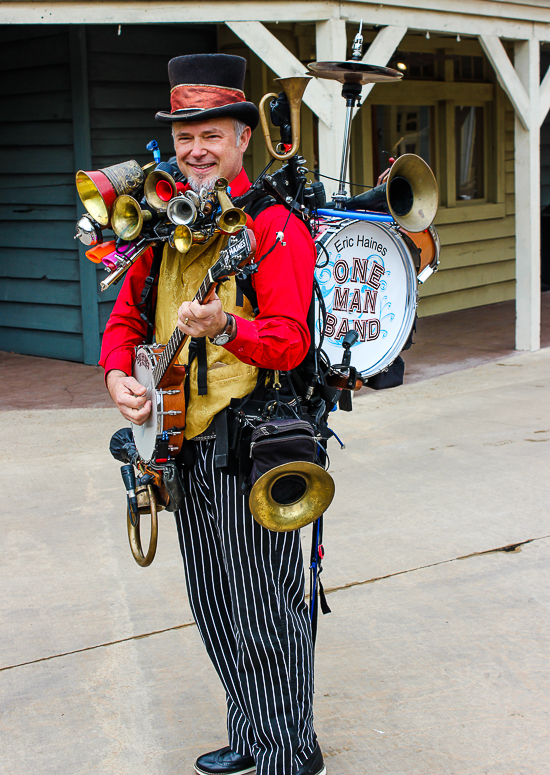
x=245, y=138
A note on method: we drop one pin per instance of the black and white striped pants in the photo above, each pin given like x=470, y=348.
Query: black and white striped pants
x=246, y=589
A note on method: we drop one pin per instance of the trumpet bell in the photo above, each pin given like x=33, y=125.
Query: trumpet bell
x=98, y=189
x=181, y=210
x=127, y=217
x=159, y=189
x=410, y=194
x=182, y=238
x=231, y=219
x=291, y=496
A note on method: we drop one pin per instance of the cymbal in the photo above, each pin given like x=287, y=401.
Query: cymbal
x=354, y=72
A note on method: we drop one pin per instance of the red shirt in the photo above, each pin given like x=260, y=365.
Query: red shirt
x=279, y=336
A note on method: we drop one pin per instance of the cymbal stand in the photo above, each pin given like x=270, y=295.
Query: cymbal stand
x=352, y=94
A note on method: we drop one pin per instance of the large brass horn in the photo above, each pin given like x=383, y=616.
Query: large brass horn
x=294, y=88
x=410, y=194
x=127, y=217
x=231, y=219
x=159, y=189
x=98, y=189
x=291, y=496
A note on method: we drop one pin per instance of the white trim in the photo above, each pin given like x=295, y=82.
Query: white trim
x=544, y=97
x=507, y=77
x=279, y=59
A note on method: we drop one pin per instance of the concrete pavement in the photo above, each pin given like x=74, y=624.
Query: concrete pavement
x=433, y=661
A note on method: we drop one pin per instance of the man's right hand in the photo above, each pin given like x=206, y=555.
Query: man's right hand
x=128, y=396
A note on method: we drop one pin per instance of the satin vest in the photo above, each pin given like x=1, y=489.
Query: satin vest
x=180, y=277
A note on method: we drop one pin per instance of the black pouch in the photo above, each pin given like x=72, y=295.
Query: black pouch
x=279, y=441
x=392, y=377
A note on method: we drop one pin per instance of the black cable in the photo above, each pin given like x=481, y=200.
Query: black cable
x=346, y=182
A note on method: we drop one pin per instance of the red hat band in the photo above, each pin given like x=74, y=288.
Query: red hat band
x=199, y=96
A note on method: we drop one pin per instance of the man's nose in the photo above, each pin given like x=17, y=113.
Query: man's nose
x=198, y=149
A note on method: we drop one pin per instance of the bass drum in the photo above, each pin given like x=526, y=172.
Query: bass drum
x=368, y=283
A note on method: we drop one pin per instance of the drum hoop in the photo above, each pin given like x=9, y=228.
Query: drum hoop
x=411, y=302
x=148, y=350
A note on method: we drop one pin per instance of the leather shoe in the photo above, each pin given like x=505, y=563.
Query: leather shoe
x=314, y=765
x=224, y=761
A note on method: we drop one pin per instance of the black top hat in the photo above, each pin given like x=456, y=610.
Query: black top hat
x=208, y=86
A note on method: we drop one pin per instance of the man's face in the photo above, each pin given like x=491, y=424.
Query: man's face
x=208, y=150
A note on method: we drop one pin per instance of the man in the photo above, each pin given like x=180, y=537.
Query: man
x=245, y=583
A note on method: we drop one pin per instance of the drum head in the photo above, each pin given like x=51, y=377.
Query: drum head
x=368, y=283
x=145, y=436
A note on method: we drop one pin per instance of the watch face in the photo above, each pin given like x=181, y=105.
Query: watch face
x=221, y=339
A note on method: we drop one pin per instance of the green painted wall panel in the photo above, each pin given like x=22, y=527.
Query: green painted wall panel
x=36, y=212
x=46, y=158
x=34, y=80
x=54, y=106
x=43, y=317
x=39, y=52
x=33, y=181
x=47, y=344
x=39, y=264
x=50, y=234
x=54, y=194
x=27, y=291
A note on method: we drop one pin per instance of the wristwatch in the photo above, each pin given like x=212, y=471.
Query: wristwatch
x=226, y=334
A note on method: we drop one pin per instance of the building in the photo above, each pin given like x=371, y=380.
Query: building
x=83, y=80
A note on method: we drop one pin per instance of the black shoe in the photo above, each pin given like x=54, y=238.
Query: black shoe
x=314, y=765
x=224, y=761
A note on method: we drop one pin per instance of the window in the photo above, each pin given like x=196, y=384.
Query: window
x=399, y=129
x=469, y=152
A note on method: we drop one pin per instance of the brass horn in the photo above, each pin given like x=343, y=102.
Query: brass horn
x=294, y=88
x=410, y=194
x=98, y=189
x=291, y=496
x=147, y=504
x=231, y=219
x=127, y=217
x=159, y=189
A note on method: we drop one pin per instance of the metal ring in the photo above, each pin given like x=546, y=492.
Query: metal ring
x=186, y=321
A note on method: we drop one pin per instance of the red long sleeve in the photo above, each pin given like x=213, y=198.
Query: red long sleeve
x=278, y=338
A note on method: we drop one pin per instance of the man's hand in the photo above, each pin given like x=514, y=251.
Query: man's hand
x=128, y=396
x=200, y=320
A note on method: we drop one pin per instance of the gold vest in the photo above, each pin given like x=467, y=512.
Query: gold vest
x=179, y=279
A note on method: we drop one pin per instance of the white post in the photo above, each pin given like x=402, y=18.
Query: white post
x=331, y=47
x=527, y=189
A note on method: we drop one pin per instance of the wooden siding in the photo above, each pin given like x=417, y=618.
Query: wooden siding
x=40, y=307
x=545, y=143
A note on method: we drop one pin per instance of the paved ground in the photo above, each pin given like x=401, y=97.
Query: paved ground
x=433, y=661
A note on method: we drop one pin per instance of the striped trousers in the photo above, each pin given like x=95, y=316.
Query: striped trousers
x=246, y=590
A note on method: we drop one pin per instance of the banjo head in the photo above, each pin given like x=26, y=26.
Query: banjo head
x=368, y=283
x=145, y=435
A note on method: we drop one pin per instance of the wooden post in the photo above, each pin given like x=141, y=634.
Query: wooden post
x=83, y=161
x=527, y=192
x=331, y=46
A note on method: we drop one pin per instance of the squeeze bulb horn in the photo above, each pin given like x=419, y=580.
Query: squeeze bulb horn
x=154, y=146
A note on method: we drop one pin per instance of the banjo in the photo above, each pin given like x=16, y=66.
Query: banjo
x=157, y=369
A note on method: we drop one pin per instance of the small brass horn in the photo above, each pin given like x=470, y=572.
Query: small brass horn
x=182, y=238
x=159, y=189
x=127, y=217
x=294, y=88
x=291, y=496
x=147, y=504
x=98, y=189
x=231, y=219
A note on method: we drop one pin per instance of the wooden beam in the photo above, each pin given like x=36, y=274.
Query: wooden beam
x=331, y=44
x=544, y=98
x=527, y=201
x=381, y=50
x=279, y=59
x=83, y=161
x=507, y=77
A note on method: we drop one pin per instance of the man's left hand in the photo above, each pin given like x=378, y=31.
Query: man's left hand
x=200, y=320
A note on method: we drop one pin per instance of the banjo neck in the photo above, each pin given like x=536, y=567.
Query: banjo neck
x=178, y=339
x=240, y=247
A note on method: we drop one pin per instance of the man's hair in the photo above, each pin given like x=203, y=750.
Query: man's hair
x=240, y=126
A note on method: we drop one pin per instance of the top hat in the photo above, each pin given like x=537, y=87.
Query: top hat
x=208, y=86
